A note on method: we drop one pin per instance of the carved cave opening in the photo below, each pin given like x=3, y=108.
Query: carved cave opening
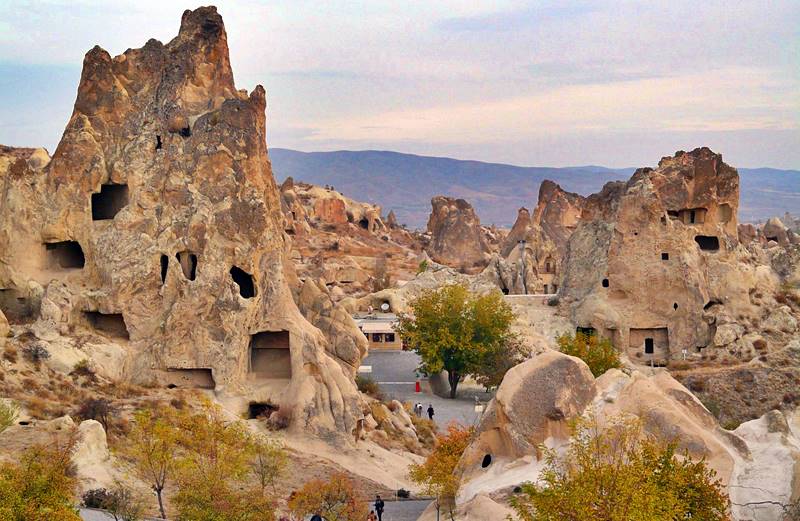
x=605, y=283
x=364, y=223
x=487, y=460
x=66, y=254
x=270, y=356
x=164, y=268
x=664, y=256
x=112, y=324
x=652, y=342
x=707, y=242
x=587, y=331
x=257, y=410
x=158, y=142
x=244, y=280
x=188, y=262
x=109, y=201
x=193, y=378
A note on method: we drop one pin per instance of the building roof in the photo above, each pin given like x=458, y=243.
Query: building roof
x=376, y=322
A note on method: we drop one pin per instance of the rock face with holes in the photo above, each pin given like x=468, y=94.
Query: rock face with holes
x=457, y=238
x=159, y=222
x=759, y=462
x=656, y=264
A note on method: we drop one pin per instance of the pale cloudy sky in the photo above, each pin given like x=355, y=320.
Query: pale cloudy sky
x=548, y=83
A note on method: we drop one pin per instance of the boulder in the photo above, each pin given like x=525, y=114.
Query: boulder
x=456, y=235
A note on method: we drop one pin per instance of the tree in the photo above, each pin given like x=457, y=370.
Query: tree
x=598, y=353
x=620, y=474
x=214, y=474
x=498, y=360
x=458, y=331
x=436, y=474
x=269, y=463
x=335, y=499
x=8, y=414
x=98, y=409
x=41, y=485
x=152, y=447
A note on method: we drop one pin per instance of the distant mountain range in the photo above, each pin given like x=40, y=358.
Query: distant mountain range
x=405, y=183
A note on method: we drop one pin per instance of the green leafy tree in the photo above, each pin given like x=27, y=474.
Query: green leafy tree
x=8, y=414
x=619, y=474
x=41, y=485
x=455, y=330
x=598, y=353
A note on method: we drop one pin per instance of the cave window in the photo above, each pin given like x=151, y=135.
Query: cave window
x=158, y=142
x=294, y=216
x=186, y=132
x=707, y=242
x=164, y=267
x=546, y=289
x=66, y=254
x=587, y=331
x=260, y=410
x=673, y=214
x=772, y=239
x=555, y=288
x=111, y=199
x=649, y=346
x=505, y=290
x=270, y=356
x=487, y=460
x=711, y=303
x=188, y=262
x=605, y=283
x=364, y=223
x=113, y=324
x=245, y=282
x=665, y=256
x=692, y=216
x=675, y=305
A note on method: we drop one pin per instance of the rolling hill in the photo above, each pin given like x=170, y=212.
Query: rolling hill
x=405, y=183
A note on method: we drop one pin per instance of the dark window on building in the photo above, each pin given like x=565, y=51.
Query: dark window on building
x=389, y=337
x=665, y=256
x=111, y=199
x=692, y=216
x=164, y=267
x=188, y=262
x=605, y=283
x=245, y=282
x=707, y=243
x=66, y=254
x=648, y=346
x=377, y=337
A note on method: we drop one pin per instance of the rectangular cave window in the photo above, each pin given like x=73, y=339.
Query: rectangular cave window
x=377, y=337
x=113, y=324
x=270, y=356
x=244, y=280
x=649, y=341
x=66, y=254
x=649, y=346
x=587, y=331
x=158, y=142
x=194, y=378
x=111, y=199
x=605, y=283
x=188, y=262
x=707, y=242
x=664, y=256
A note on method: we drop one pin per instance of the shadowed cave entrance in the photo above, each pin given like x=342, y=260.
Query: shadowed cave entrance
x=707, y=242
x=112, y=324
x=244, y=280
x=65, y=254
x=270, y=356
x=111, y=199
x=260, y=410
x=194, y=378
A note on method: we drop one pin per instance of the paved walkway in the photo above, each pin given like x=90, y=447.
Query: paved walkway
x=394, y=371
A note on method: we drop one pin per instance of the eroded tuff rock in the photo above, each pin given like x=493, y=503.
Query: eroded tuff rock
x=656, y=264
x=531, y=255
x=457, y=238
x=758, y=463
x=159, y=223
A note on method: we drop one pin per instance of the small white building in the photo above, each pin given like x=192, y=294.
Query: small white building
x=379, y=329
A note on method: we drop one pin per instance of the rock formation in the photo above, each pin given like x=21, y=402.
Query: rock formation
x=758, y=462
x=457, y=238
x=157, y=223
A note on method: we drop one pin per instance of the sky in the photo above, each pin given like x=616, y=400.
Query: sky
x=548, y=83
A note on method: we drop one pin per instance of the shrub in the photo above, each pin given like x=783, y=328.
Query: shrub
x=403, y=493
x=98, y=409
x=95, y=498
x=279, y=420
x=423, y=267
x=8, y=414
x=369, y=387
x=610, y=475
x=83, y=368
x=36, y=353
x=121, y=502
x=552, y=301
x=598, y=353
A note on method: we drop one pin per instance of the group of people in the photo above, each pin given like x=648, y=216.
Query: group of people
x=418, y=410
x=374, y=515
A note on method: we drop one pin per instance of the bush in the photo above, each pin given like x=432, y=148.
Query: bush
x=84, y=368
x=8, y=414
x=98, y=409
x=423, y=267
x=403, y=493
x=95, y=498
x=598, y=353
x=552, y=301
x=369, y=387
x=121, y=502
x=36, y=353
x=337, y=499
x=609, y=475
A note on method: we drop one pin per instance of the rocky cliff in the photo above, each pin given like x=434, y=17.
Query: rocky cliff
x=157, y=223
x=456, y=236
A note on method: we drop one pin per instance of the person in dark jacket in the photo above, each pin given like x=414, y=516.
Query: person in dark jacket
x=430, y=411
x=379, y=507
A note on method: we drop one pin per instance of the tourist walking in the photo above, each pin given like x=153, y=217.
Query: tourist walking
x=430, y=411
x=379, y=507
x=372, y=516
